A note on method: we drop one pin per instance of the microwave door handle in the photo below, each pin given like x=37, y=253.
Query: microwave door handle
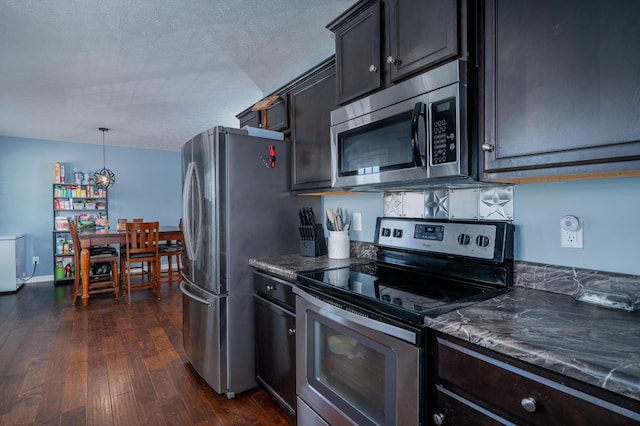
x=418, y=110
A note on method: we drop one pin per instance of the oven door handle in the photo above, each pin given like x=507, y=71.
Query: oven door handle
x=419, y=110
x=336, y=314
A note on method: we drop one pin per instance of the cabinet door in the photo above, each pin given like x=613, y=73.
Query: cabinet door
x=505, y=390
x=276, y=117
x=310, y=109
x=358, y=54
x=249, y=118
x=421, y=33
x=275, y=351
x=561, y=88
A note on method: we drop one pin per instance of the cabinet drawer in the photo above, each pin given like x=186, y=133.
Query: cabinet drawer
x=517, y=394
x=275, y=289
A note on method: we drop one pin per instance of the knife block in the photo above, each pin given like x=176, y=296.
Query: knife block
x=312, y=242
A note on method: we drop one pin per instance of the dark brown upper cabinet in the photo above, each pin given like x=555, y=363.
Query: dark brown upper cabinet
x=275, y=117
x=379, y=43
x=561, y=90
x=312, y=101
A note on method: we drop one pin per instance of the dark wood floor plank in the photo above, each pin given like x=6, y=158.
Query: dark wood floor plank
x=109, y=363
x=49, y=409
x=99, y=411
x=119, y=380
x=150, y=413
x=23, y=411
x=76, y=416
x=124, y=409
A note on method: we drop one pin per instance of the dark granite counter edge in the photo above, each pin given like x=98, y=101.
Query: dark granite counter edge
x=552, y=331
x=483, y=323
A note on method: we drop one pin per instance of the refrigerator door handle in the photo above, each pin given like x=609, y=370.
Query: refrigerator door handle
x=191, y=177
x=190, y=295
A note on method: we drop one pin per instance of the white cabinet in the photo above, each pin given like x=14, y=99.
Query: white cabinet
x=12, y=262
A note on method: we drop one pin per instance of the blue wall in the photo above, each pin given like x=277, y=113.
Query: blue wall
x=148, y=185
x=609, y=208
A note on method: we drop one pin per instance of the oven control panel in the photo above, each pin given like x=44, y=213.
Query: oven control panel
x=472, y=239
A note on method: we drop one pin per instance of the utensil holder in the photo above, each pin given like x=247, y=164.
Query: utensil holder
x=339, y=245
x=312, y=243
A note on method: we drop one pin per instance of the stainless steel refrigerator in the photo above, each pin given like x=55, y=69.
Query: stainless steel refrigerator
x=236, y=205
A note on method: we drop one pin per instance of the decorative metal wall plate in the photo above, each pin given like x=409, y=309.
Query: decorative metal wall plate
x=456, y=203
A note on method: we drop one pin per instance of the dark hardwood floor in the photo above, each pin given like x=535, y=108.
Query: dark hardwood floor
x=109, y=363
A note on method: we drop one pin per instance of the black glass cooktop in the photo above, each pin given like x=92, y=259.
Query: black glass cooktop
x=401, y=294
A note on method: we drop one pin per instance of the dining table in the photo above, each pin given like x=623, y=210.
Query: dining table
x=95, y=237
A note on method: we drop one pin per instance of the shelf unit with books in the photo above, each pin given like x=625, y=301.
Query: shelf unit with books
x=88, y=206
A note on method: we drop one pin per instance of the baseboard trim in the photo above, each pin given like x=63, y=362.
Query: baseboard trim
x=45, y=278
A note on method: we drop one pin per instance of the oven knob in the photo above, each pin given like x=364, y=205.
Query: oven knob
x=482, y=240
x=386, y=232
x=397, y=301
x=464, y=239
x=397, y=233
x=438, y=419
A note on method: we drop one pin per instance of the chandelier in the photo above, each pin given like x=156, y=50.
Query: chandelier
x=105, y=177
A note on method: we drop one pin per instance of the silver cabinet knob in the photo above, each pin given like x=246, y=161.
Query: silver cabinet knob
x=391, y=59
x=373, y=68
x=438, y=419
x=292, y=331
x=487, y=147
x=529, y=404
x=271, y=287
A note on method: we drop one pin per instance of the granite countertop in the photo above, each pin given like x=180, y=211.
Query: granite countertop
x=288, y=266
x=596, y=345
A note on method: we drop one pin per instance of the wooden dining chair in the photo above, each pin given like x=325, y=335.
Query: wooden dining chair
x=97, y=256
x=170, y=250
x=140, y=253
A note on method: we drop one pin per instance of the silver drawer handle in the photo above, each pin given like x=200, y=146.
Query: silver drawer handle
x=292, y=331
x=391, y=60
x=271, y=287
x=373, y=68
x=529, y=404
x=487, y=147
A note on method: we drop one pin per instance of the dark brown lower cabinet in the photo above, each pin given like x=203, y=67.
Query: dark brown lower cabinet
x=275, y=325
x=476, y=386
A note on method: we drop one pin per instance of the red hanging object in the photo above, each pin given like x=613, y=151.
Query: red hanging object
x=272, y=156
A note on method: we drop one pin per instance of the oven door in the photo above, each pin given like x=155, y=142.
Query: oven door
x=353, y=369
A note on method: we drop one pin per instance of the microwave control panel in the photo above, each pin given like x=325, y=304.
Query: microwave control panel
x=444, y=143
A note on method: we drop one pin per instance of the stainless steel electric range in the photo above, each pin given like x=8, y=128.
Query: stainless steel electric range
x=361, y=329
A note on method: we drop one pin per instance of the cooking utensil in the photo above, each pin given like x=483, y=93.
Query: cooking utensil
x=339, y=221
x=331, y=217
x=330, y=225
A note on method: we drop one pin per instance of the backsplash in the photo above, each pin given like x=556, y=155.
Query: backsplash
x=458, y=203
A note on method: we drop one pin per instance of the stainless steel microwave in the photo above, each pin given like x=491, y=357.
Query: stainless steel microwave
x=411, y=134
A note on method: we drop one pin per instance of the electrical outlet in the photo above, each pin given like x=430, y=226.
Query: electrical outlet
x=36, y=260
x=571, y=232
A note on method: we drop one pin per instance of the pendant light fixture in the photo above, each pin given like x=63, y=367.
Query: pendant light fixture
x=105, y=177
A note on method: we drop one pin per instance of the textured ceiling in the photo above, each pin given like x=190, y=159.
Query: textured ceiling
x=156, y=72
